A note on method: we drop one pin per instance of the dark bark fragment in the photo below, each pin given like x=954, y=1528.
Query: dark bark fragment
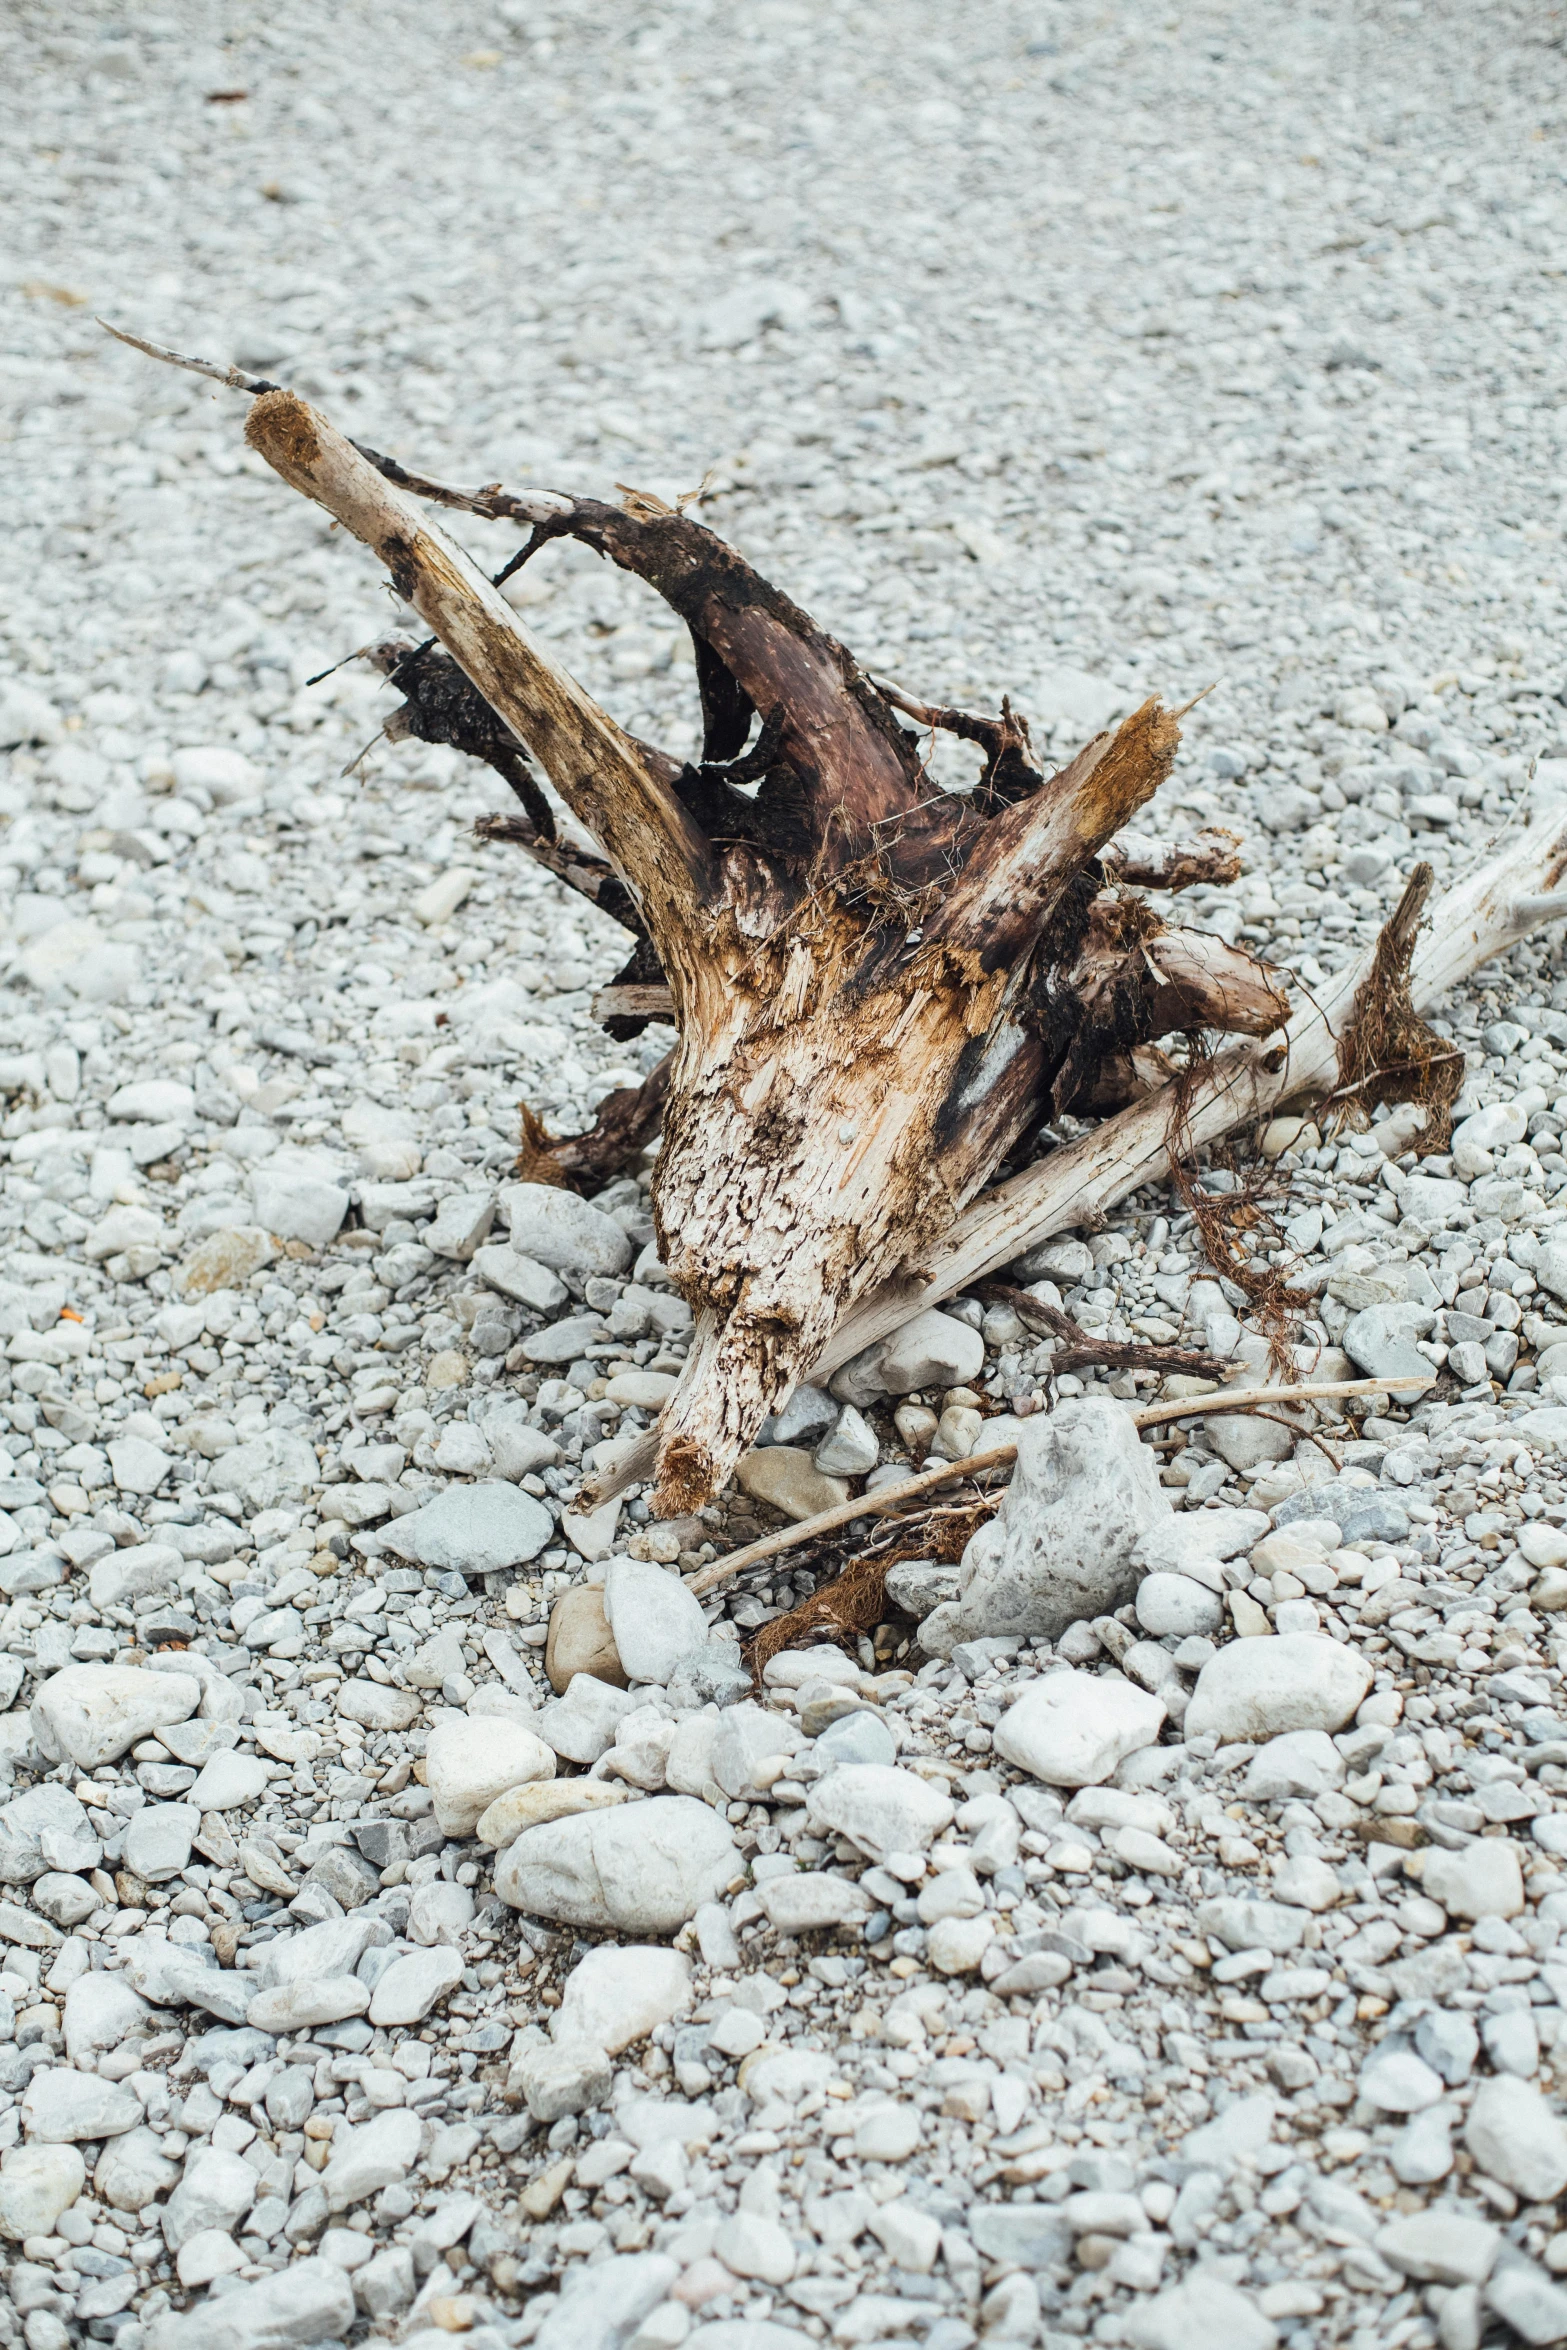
x=626, y=1123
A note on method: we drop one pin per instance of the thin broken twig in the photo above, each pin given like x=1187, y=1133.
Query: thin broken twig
x=888, y=1497
x=1082, y=1348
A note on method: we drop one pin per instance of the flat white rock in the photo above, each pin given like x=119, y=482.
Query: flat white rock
x=1517, y=2139
x=37, y=2183
x=59, y=2105
x=557, y=1229
x=643, y=1868
x=376, y=2155
x=469, y=1763
x=1084, y=1495
x=412, y=1986
x=478, y=1529
x=213, y=2192
x=1257, y=1689
x=309, y=2301
x=616, y=1996
x=1073, y=1729
x=227, y=1781
x=879, y=1808
x=93, y=1713
x=654, y=1618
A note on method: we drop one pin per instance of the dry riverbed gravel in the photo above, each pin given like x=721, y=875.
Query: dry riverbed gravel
x=1189, y=1974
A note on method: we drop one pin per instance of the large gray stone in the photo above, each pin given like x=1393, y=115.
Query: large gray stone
x=378, y=2154
x=557, y=1229
x=655, y=1620
x=642, y=1868
x=60, y=2105
x=1257, y=1689
x=411, y=1986
x=158, y=1840
x=1444, y=2245
x=182, y=1974
x=1483, y=1879
x=335, y=1947
x=1303, y=1763
x=45, y=1828
x=1379, y=1341
x=1244, y=1442
x=298, y=1196
x=1173, y=1606
x=375, y=1706
x=1532, y=2303
x=1178, y=1543
x=1073, y=1729
x=934, y=1350
x=300, y=2006
x=1203, y=2312
x=880, y=1809
x=37, y=2183
x=92, y=1713
x=522, y=1278
x=478, y=1529
x=133, y=2171
x=277, y=1467
x=1360, y=1512
x=582, y=1725
x=125, y=1576
x=101, y=2010
x=602, y=2306
x=616, y=1996
x=216, y=2191
x=1252, y=1925
x=309, y=2301
x=1234, y=2136
x=1516, y=2139
x=1024, y=2235
x=469, y=1762
x=1061, y=1547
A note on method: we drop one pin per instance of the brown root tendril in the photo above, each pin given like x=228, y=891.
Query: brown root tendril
x=1238, y=1227
x=850, y=1608
x=1387, y=1053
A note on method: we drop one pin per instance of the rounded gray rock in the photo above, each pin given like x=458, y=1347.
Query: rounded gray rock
x=1171, y=1606
x=1255, y=1689
x=655, y=1620
x=642, y=1868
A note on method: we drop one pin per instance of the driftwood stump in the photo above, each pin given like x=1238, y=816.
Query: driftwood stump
x=879, y=986
x=881, y=989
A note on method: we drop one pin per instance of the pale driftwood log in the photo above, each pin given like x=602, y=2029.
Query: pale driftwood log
x=890, y=1497
x=1514, y=892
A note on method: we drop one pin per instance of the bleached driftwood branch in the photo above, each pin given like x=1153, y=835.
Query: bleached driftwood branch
x=1075, y=1187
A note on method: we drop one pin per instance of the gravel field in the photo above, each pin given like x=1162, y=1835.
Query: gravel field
x=1184, y=1976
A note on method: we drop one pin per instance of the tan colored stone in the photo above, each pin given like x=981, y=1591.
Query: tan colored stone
x=785, y=1476
x=540, y=2197
x=447, y=1369
x=530, y=1805
x=1250, y=1618
x=225, y=1260
x=580, y=1640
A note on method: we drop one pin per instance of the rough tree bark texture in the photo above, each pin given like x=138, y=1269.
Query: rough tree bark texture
x=879, y=987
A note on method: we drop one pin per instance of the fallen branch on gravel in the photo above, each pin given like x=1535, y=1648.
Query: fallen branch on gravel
x=1080, y=1349
x=881, y=989
x=888, y=1498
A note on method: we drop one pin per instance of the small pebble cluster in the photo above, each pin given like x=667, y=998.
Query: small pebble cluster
x=415, y=1921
